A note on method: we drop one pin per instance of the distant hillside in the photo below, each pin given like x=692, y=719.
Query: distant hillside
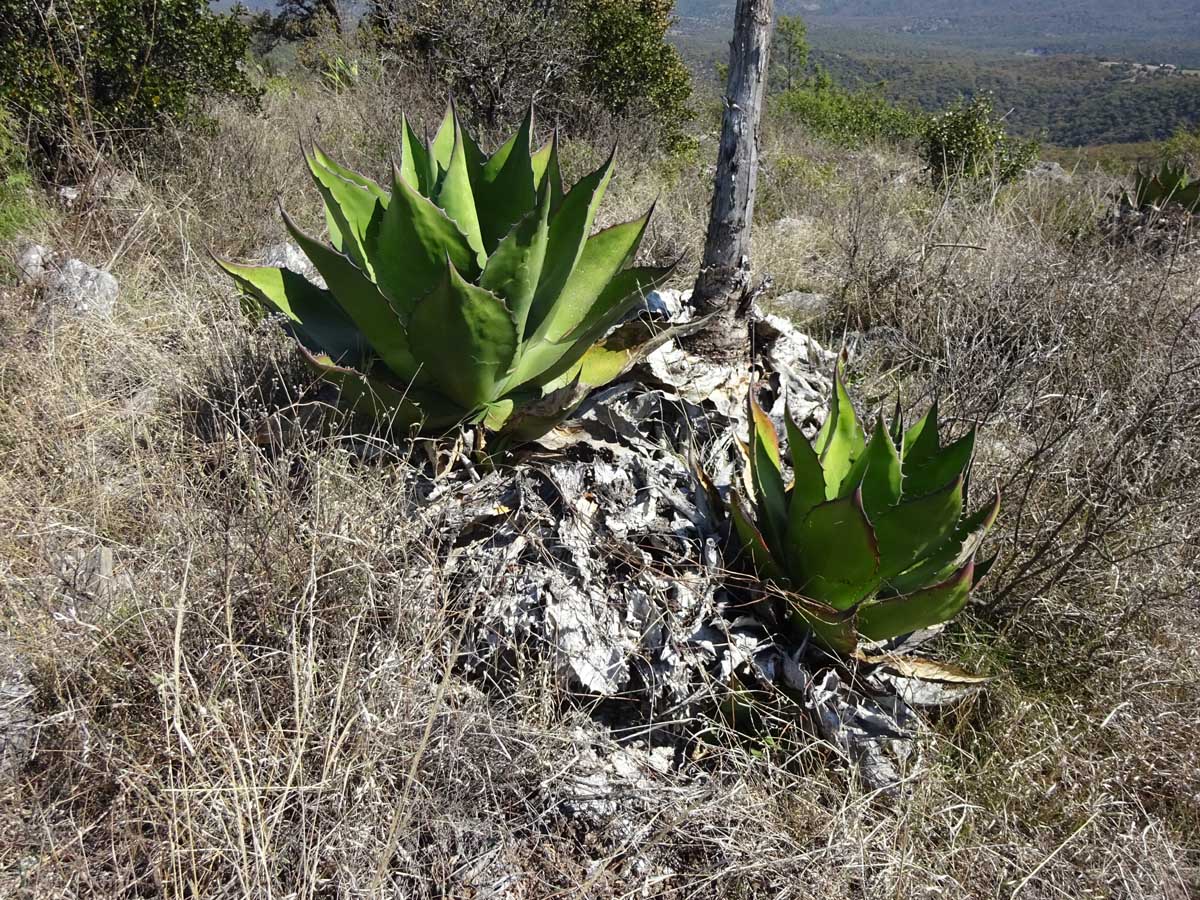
x=1148, y=30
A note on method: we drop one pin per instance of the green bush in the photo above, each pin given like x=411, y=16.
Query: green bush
x=633, y=68
x=18, y=208
x=852, y=118
x=969, y=141
x=95, y=73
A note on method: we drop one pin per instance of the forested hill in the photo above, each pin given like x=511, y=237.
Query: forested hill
x=1169, y=29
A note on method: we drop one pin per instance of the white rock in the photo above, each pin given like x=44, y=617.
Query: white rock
x=83, y=290
x=670, y=304
x=288, y=256
x=33, y=263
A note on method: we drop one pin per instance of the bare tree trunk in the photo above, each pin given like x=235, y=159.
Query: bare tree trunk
x=724, y=280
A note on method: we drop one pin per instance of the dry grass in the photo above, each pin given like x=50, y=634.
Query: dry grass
x=257, y=702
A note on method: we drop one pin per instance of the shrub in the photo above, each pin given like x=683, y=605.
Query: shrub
x=631, y=68
x=92, y=73
x=851, y=118
x=969, y=141
x=571, y=57
x=17, y=207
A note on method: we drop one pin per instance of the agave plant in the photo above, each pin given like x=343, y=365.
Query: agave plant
x=473, y=290
x=1170, y=184
x=869, y=539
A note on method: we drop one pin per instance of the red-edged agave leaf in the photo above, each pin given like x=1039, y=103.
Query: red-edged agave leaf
x=910, y=532
x=393, y=406
x=769, y=490
x=942, y=467
x=840, y=441
x=834, y=628
x=752, y=541
x=922, y=442
x=361, y=300
x=877, y=471
x=834, y=555
x=885, y=619
x=942, y=562
x=808, y=481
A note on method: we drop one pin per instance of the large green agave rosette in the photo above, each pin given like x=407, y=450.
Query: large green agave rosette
x=869, y=540
x=472, y=291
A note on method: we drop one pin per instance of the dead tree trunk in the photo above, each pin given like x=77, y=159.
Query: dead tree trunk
x=724, y=280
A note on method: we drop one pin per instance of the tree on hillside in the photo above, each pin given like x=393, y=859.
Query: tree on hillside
x=790, y=50
x=298, y=18
x=570, y=57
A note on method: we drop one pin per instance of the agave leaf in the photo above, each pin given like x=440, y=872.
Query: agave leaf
x=414, y=160
x=840, y=441
x=808, y=482
x=513, y=269
x=441, y=148
x=455, y=196
x=753, y=543
x=349, y=208
x=834, y=628
x=466, y=338
x=569, y=230
x=409, y=245
x=835, y=557
x=896, y=429
x=546, y=362
x=314, y=317
x=604, y=255
x=881, y=482
x=545, y=166
x=941, y=468
x=895, y=616
x=506, y=186
x=766, y=475
x=360, y=299
x=953, y=554
x=914, y=529
x=384, y=401
x=921, y=441
x=350, y=175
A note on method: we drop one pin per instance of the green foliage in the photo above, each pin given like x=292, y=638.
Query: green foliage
x=100, y=71
x=1182, y=148
x=1169, y=184
x=18, y=208
x=869, y=540
x=968, y=141
x=789, y=52
x=851, y=118
x=631, y=65
x=473, y=291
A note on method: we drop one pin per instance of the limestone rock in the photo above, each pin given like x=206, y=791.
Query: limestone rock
x=80, y=289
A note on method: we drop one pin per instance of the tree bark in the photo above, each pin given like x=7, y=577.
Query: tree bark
x=724, y=279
